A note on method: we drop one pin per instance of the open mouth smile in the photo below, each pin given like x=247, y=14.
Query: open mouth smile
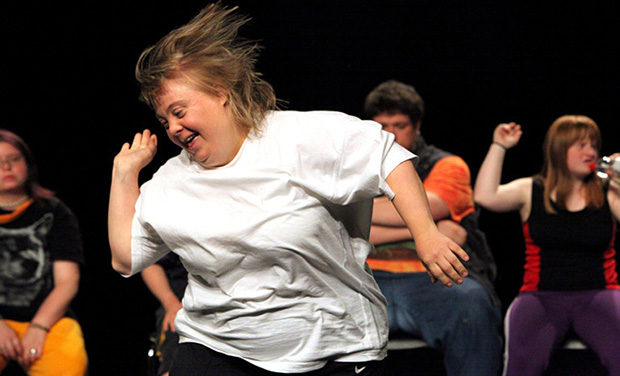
x=189, y=139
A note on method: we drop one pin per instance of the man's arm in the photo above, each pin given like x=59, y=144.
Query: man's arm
x=438, y=252
x=450, y=178
x=385, y=214
x=388, y=234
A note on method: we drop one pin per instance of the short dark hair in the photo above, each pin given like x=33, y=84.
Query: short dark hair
x=393, y=96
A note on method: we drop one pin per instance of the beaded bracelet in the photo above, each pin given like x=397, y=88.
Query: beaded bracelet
x=39, y=326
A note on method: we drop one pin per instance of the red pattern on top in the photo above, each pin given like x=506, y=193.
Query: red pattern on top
x=531, y=275
x=609, y=265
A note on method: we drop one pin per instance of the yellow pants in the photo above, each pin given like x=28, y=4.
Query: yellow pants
x=64, y=353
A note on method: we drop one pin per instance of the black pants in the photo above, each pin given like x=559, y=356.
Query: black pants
x=196, y=360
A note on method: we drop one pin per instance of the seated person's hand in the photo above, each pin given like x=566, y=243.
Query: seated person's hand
x=171, y=313
x=10, y=345
x=453, y=230
x=32, y=343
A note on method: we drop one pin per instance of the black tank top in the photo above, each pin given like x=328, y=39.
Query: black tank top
x=568, y=251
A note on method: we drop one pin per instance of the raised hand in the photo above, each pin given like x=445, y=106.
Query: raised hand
x=134, y=157
x=507, y=134
x=124, y=193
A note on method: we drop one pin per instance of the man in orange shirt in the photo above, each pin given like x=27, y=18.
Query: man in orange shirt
x=464, y=322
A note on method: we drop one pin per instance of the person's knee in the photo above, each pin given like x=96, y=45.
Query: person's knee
x=65, y=346
x=479, y=297
x=474, y=307
x=472, y=295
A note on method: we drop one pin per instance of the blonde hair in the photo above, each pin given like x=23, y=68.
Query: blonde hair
x=564, y=132
x=210, y=55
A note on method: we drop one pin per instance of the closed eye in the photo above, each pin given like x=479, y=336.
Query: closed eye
x=178, y=114
x=163, y=122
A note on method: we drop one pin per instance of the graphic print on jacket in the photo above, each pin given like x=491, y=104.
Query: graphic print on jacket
x=23, y=262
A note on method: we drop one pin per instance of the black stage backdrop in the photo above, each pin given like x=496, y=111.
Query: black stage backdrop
x=69, y=91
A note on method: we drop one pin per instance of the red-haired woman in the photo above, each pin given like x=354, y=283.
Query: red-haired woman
x=569, y=220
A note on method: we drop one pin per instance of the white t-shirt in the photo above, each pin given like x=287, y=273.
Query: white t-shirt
x=275, y=242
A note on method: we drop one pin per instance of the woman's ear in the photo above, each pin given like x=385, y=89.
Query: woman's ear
x=223, y=96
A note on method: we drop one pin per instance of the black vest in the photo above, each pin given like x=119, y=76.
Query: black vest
x=481, y=265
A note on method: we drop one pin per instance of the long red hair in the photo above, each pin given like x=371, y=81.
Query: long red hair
x=564, y=132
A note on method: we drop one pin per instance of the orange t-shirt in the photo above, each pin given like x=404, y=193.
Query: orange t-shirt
x=449, y=179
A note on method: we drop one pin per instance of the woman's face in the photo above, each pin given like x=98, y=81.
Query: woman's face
x=199, y=123
x=13, y=169
x=580, y=156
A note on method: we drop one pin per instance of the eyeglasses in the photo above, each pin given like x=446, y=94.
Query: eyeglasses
x=11, y=160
